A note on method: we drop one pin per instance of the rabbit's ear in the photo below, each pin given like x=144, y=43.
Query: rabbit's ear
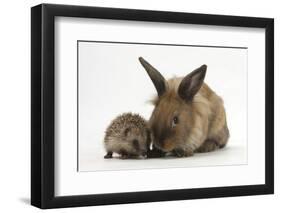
x=191, y=83
x=156, y=77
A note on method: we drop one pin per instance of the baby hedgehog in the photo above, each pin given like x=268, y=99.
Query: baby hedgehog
x=128, y=135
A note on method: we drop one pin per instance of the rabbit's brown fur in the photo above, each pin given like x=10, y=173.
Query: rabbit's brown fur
x=188, y=116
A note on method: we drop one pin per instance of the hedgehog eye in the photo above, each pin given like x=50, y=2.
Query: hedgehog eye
x=175, y=121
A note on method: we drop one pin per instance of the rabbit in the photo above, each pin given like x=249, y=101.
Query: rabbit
x=188, y=116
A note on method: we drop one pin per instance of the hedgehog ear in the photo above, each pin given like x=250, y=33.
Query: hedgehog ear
x=126, y=131
x=155, y=76
x=191, y=83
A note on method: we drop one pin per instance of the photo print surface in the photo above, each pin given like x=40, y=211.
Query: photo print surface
x=131, y=115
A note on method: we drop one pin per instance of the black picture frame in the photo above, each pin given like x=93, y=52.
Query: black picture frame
x=43, y=100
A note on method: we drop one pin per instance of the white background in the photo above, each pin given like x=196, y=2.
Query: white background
x=112, y=81
x=15, y=108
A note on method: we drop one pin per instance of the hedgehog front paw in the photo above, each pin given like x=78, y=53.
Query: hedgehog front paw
x=124, y=156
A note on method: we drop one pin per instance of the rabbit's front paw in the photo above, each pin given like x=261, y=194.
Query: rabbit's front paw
x=182, y=152
x=208, y=146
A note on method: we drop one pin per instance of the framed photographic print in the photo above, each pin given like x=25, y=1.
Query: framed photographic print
x=139, y=106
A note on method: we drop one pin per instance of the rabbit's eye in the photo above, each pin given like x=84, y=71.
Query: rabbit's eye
x=175, y=121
